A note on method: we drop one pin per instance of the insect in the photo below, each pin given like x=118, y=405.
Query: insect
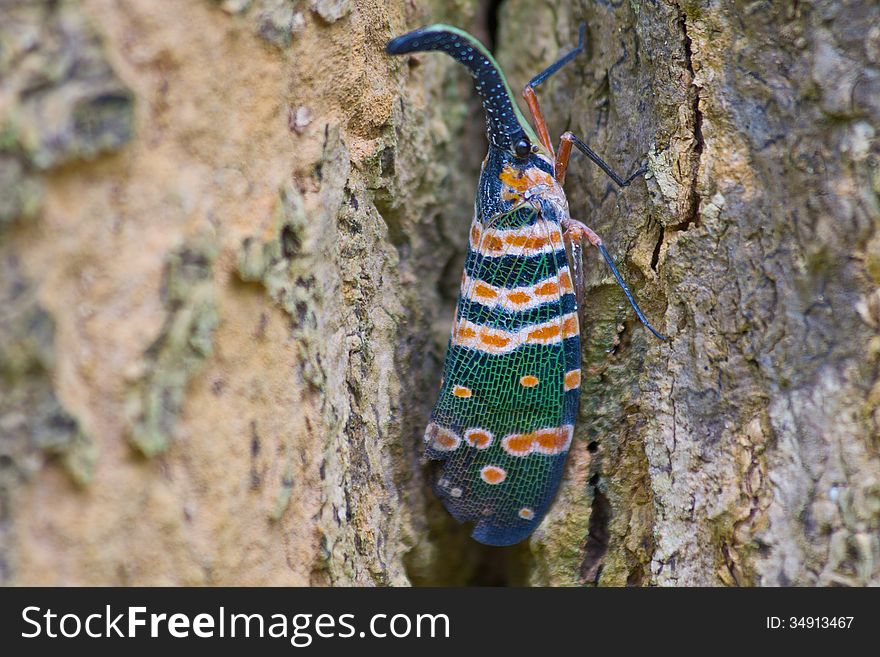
x=504, y=419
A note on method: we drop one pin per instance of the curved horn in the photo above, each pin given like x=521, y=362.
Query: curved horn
x=505, y=124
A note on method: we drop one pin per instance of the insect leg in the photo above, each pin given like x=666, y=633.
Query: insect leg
x=577, y=230
x=531, y=97
x=574, y=240
x=565, y=143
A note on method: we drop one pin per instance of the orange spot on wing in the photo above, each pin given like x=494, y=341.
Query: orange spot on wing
x=518, y=444
x=548, y=442
x=475, y=234
x=483, y=290
x=553, y=441
x=536, y=243
x=466, y=332
x=441, y=438
x=494, y=340
x=547, y=289
x=572, y=379
x=492, y=474
x=544, y=333
x=570, y=327
x=529, y=381
x=445, y=440
x=494, y=244
x=478, y=438
x=526, y=513
x=565, y=282
x=462, y=392
x=519, y=298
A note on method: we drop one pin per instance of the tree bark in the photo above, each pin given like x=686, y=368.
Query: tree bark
x=231, y=234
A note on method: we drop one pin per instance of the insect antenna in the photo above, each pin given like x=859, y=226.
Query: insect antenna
x=550, y=70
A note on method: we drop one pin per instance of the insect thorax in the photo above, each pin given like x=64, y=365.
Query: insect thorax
x=507, y=182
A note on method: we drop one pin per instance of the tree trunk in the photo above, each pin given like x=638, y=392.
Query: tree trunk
x=231, y=234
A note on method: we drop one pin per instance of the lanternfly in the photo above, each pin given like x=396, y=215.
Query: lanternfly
x=503, y=423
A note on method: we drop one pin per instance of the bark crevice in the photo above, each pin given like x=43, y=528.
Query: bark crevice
x=693, y=202
x=596, y=546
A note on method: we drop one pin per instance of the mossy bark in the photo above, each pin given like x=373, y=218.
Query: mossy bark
x=231, y=234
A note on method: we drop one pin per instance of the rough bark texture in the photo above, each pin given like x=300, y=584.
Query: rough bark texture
x=231, y=234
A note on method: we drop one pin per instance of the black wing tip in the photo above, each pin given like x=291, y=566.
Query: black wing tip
x=485, y=529
x=497, y=536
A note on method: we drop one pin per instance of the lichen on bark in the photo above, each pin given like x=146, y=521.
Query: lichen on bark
x=185, y=341
x=63, y=100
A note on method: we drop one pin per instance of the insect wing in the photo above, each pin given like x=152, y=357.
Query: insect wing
x=503, y=422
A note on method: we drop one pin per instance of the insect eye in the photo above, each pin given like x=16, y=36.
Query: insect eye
x=522, y=148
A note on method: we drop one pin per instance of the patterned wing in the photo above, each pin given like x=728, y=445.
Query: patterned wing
x=505, y=415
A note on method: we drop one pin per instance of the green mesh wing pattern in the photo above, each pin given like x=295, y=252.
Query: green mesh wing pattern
x=502, y=423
